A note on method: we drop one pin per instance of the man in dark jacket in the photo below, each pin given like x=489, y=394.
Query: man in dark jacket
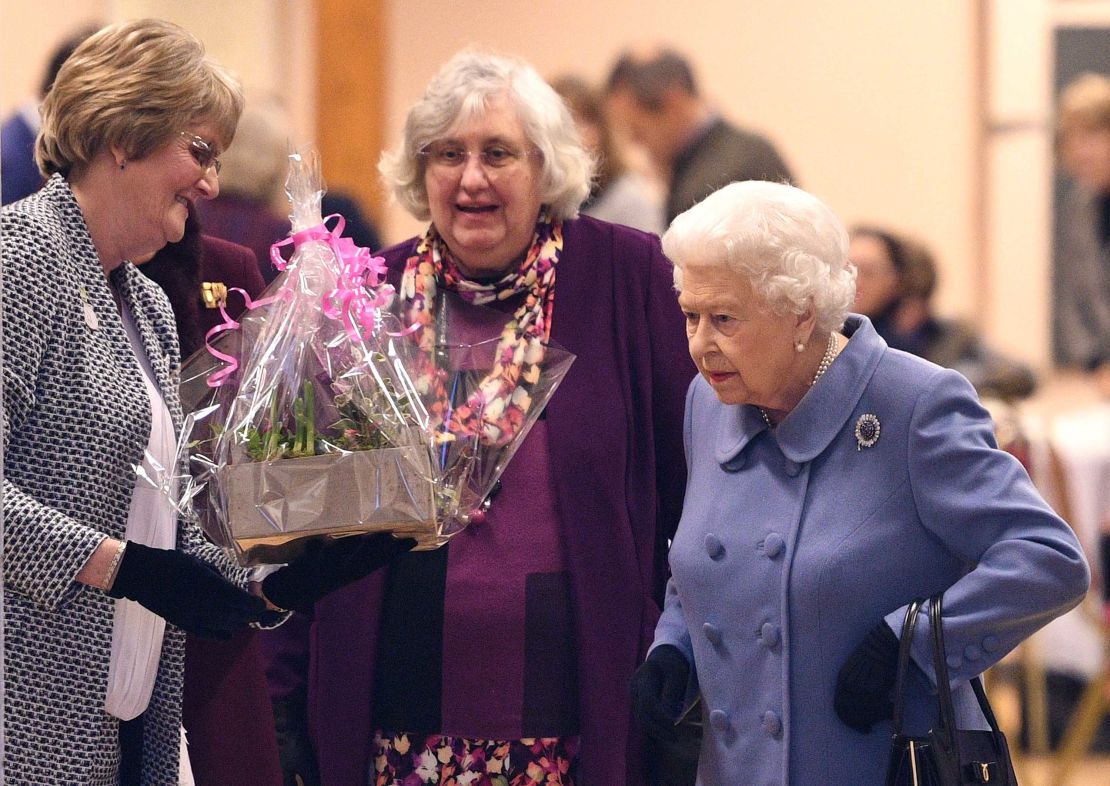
x=655, y=97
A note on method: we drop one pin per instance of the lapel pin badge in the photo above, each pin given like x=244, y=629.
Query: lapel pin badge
x=86, y=306
x=213, y=293
x=867, y=431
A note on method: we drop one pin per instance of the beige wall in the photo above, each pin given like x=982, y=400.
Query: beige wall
x=875, y=103
x=268, y=43
x=28, y=33
x=871, y=101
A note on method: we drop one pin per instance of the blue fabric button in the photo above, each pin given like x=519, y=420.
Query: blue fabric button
x=772, y=723
x=954, y=661
x=718, y=719
x=769, y=634
x=971, y=652
x=712, y=633
x=792, y=468
x=990, y=644
x=735, y=464
x=713, y=546
x=773, y=545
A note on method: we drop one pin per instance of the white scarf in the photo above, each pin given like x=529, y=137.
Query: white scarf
x=137, y=633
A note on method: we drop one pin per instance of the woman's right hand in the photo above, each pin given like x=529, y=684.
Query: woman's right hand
x=658, y=690
x=185, y=591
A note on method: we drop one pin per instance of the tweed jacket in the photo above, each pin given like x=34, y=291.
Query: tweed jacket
x=76, y=419
x=795, y=542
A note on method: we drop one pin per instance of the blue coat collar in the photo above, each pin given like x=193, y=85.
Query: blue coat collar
x=824, y=409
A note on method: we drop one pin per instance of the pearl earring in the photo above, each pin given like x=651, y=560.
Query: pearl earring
x=799, y=347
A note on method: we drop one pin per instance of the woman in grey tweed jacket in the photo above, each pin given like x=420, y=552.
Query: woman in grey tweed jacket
x=77, y=413
x=131, y=131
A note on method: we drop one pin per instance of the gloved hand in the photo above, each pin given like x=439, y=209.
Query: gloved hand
x=864, y=682
x=327, y=565
x=185, y=591
x=658, y=688
x=298, y=759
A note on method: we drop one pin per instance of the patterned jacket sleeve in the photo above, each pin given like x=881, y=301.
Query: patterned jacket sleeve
x=43, y=548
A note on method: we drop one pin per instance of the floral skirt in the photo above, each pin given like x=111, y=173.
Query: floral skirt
x=407, y=760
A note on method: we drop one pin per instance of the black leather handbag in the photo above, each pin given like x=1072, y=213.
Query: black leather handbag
x=946, y=756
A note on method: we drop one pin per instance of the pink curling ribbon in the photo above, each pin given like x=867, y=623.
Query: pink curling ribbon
x=218, y=378
x=358, y=270
x=348, y=302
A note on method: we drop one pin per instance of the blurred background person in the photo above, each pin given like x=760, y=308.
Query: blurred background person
x=654, y=97
x=226, y=705
x=618, y=194
x=19, y=175
x=506, y=654
x=831, y=483
x=253, y=209
x=1082, y=272
x=897, y=278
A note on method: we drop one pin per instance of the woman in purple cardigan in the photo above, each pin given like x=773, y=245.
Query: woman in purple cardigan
x=505, y=655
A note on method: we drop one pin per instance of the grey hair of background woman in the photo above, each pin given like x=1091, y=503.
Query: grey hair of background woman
x=789, y=245
x=255, y=167
x=461, y=91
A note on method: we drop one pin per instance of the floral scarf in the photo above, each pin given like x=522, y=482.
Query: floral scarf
x=496, y=410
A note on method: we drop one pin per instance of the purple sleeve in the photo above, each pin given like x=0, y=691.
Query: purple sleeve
x=672, y=371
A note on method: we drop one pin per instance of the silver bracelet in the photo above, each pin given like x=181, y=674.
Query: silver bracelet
x=113, y=568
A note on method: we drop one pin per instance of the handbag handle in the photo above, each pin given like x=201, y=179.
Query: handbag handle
x=905, y=643
x=940, y=667
x=947, y=712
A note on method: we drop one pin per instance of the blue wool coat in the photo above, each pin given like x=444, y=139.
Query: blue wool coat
x=794, y=543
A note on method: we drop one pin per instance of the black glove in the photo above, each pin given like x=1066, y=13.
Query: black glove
x=658, y=688
x=865, y=680
x=328, y=564
x=185, y=591
x=298, y=759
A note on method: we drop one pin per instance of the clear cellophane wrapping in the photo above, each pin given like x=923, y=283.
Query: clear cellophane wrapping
x=313, y=429
x=309, y=423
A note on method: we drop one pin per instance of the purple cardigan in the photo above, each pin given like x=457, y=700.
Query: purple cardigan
x=615, y=443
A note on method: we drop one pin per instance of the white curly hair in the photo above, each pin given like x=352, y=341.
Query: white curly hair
x=789, y=245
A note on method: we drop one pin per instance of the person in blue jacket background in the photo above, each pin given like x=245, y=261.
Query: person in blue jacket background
x=832, y=480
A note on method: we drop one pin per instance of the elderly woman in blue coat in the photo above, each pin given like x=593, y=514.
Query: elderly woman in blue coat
x=832, y=480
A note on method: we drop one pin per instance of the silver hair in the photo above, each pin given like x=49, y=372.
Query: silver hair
x=256, y=165
x=463, y=89
x=789, y=245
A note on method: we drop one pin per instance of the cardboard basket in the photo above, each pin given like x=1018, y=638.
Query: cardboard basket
x=272, y=504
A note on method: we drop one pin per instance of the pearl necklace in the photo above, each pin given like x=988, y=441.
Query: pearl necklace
x=822, y=367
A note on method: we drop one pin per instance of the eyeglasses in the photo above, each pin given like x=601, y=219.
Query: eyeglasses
x=204, y=153
x=495, y=158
